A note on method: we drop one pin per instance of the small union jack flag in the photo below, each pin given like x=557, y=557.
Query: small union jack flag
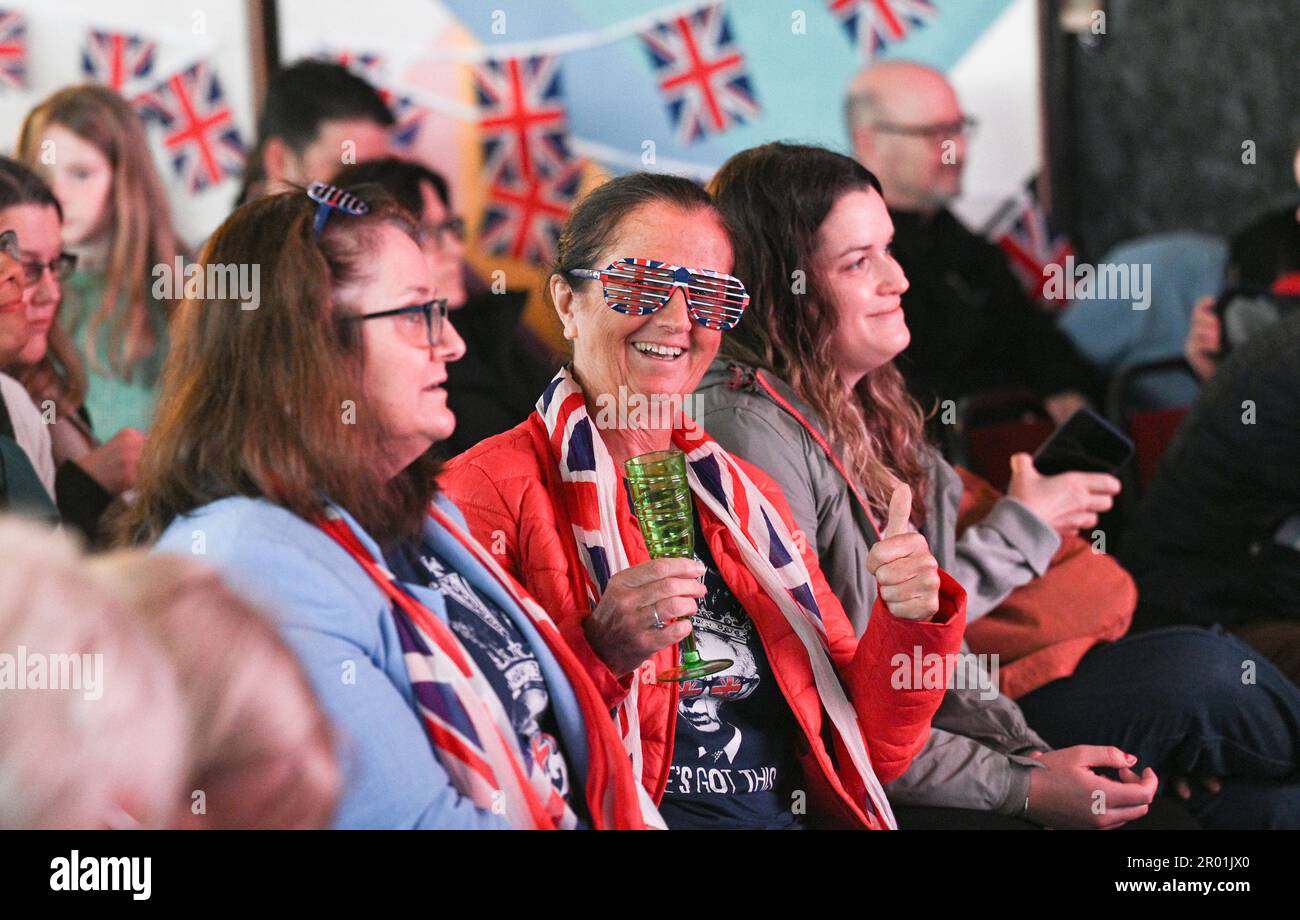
x=408, y=116
x=115, y=59
x=201, y=137
x=1022, y=230
x=874, y=24
x=524, y=125
x=524, y=213
x=368, y=65
x=701, y=73
x=13, y=50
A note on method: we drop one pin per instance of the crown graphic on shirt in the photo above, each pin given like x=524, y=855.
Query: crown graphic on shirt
x=522, y=675
x=724, y=623
x=508, y=655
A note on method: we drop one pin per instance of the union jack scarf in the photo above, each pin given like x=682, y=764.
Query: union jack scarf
x=469, y=729
x=591, y=492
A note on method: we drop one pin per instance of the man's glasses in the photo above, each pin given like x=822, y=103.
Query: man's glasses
x=420, y=324
x=61, y=266
x=637, y=287
x=453, y=227
x=964, y=126
x=331, y=198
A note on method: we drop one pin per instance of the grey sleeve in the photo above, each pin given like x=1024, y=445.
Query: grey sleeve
x=953, y=771
x=976, y=756
x=1007, y=548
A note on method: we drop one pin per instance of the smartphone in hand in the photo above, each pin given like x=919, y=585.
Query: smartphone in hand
x=1086, y=443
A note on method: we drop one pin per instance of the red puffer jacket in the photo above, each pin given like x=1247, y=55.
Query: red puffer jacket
x=505, y=488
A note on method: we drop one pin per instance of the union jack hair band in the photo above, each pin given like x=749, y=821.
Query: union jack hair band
x=332, y=198
x=636, y=287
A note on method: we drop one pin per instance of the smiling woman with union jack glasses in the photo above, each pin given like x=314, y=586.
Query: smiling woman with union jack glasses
x=789, y=720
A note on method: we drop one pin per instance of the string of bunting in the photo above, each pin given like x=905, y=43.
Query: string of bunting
x=530, y=167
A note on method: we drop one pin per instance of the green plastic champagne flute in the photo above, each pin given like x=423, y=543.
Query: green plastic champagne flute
x=661, y=496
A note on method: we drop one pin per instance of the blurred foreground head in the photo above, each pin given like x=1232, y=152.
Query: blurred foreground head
x=92, y=727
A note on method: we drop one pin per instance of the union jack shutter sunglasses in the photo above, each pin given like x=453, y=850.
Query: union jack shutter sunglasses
x=637, y=287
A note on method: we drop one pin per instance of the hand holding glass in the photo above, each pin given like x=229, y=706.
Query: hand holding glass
x=661, y=496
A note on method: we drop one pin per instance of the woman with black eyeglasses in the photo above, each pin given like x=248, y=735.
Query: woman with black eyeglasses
x=805, y=723
x=90, y=473
x=506, y=364
x=293, y=450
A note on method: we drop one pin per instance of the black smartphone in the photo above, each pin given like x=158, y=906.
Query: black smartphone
x=1086, y=443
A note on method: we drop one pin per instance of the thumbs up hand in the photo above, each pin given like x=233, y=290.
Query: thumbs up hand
x=905, y=570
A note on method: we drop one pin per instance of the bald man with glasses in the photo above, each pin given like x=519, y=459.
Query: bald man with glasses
x=974, y=330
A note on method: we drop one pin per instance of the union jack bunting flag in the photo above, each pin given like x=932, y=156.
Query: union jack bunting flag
x=368, y=65
x=200, y=134
x=115, y=59
x=701, y=73
x=524, y=214
x=408, y=116
x=523, y=121
x=1022, y=230
x=13, y=50
x=874, y=24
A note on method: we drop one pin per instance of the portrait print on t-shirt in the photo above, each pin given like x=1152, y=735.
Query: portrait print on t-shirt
x=517, y=677
x=703, y=702
x=733, y=755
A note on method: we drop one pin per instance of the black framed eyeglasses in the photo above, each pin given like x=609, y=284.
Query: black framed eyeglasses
x=420, y=324
x=61, y=266
x=964, y=126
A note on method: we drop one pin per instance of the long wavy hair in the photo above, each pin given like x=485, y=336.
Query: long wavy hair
x=140, y=230
x=776, y=197
x=259, y=402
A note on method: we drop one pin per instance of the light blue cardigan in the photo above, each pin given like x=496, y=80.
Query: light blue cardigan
x=339, y=623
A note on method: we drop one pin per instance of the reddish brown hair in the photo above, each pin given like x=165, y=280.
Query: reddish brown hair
x=257, y=402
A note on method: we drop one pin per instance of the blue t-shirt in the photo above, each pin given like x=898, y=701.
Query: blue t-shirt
x=501, y=653
x=734, y=764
